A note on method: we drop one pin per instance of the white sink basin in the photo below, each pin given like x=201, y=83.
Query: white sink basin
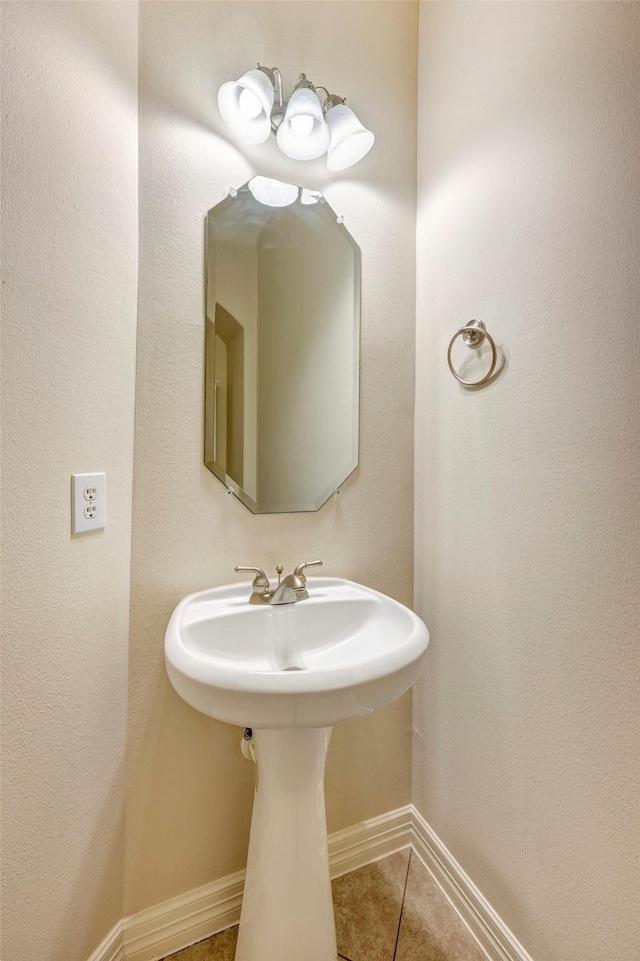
x=341, y=653
x=290, y=672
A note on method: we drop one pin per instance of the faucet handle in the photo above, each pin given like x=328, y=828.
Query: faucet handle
x=299, y=570
x=260, y=582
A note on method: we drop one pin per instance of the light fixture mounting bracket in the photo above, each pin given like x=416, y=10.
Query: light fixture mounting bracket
x=303, y=82
x=332, y=100
x=275, y=77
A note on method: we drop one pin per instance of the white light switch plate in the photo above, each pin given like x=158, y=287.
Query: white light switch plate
x=88, y=503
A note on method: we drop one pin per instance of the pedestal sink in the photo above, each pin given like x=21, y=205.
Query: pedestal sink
x=289, y=673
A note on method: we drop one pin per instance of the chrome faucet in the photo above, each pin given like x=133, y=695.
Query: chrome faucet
x=293, y=588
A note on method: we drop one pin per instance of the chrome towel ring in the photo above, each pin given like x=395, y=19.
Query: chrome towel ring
x=473, y=334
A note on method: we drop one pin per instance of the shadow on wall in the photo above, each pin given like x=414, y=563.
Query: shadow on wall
x=100, y=47
x=101, y=860
x=179, y=747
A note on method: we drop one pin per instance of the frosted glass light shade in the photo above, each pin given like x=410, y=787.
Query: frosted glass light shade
x=273, y=193
x=246, y=105
x=350, y=140
x=303, y=134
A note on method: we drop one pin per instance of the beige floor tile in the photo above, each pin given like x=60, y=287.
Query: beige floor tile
x=430, y=929
x=369, y=910
x=221, y=947
x=367, y=906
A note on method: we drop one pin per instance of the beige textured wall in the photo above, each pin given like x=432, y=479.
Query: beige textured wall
x=527, y=493
x=190, y=792
x=69, y=251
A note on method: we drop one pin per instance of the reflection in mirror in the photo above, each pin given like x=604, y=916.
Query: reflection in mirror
x=282, y=347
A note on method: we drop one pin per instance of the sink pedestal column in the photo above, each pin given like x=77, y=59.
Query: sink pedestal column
x=287, y=910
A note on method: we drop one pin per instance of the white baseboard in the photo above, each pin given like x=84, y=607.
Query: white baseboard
x=112, y=948
x=182, y=921
x=488, y=928
x=370, y=841
x=175, y=924
x=159, y=931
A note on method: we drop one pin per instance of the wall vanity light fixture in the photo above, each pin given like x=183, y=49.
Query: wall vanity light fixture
x=305, y=126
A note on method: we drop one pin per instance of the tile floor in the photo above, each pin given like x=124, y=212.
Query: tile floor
x=392, y=910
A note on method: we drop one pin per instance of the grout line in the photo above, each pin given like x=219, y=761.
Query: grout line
x=404, y=894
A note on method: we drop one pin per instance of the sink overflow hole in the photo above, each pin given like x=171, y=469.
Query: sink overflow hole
x=294, y=668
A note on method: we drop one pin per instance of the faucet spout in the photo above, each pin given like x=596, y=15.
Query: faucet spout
x=294, y=587
x=285, y=592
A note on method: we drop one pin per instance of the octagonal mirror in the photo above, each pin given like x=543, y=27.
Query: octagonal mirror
x=282, y=347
